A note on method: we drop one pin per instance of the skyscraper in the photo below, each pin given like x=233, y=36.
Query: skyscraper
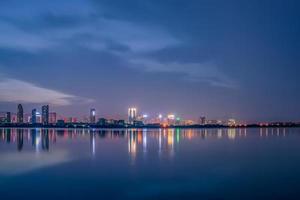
x=202, y=120
x=132, y=115
x=52, y=117
x=8, y=117
x=33, y=116
x=20, y=114
x=45, y=114
x=93, y=116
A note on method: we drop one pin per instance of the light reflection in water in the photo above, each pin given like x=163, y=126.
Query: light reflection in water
x=93, y=143
x=139, y=140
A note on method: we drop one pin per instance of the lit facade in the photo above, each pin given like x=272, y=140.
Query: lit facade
x=8, y=117
x=52, y=118
x=33, y=116
x=45, y=114
x=93, y=116
x=132, y=115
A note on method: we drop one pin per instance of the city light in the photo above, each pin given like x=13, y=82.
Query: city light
x=52, y=119
x=171, y=116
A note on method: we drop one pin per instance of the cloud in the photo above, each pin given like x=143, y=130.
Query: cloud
x=196, y=72
x=15, y=38
x=50, y=30
x=12, y=90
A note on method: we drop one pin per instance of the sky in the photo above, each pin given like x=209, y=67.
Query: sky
x=220, y=59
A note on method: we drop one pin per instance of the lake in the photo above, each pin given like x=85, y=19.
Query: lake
x=150, y=163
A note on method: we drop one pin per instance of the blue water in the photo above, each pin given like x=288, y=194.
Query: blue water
x=150, y=164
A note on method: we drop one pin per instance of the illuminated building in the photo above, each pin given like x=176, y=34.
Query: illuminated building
x=52, y=117
x=38, y=117
x=231, y=122
x=45, y=114
x=171, y=119
x=20, y=114
x=27, y=118
x=2, y=117
x=14, y=118
x=214, y=122
x=93, y=116
x=8, y=117
x=33, y=116
x=121, y=122
x=145, y=119
x=71, y=120
x=187, y=122
x=132, y=115
x=202, y=120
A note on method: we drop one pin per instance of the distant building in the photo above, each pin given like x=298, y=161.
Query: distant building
x=214, y=122
x=2, y=117
x=60, y=122
x=33, y=116
x=38, y=117
x=20, y=114
x=121, y=122
x=171, y=119
x=112, y=122
x=186, y=122
x=71, y=120
x=8, y=117
x=14, y=118
x=45, y=114
x=202, y=120
x=52, y=117
x=132, y=115
x=231, y=122
x=138, y=123
x=93, y=116
x=102, y=122
x=144, y=118
x=27, y=118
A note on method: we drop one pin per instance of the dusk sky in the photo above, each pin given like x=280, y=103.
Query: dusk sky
x=220, y=59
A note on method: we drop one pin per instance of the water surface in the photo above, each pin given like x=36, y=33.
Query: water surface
x=150, y=163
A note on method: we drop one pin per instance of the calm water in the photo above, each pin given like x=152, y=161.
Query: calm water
x=150, y=164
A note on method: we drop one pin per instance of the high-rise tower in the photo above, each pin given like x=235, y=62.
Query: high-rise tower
x=132, y=114
x=20, y=114
x=45, y=114
x=93, y=116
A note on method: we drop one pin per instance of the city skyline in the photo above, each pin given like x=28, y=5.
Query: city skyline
x=135, y=119
x=220, y=59
x=149, y=99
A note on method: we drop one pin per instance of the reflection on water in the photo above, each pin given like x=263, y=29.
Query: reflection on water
x=163, y=140
x=150, y=163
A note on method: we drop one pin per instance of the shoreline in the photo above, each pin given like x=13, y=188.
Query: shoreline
x=88, y=126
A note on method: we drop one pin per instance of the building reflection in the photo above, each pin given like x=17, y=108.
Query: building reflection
x=8, y=135
x=93, y=142
x=132, y=142
x=45, y=139
x=20, y=139
x=272, y=132
x=162, y=142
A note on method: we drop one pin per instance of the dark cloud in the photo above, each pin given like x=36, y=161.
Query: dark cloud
x=214, y=58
